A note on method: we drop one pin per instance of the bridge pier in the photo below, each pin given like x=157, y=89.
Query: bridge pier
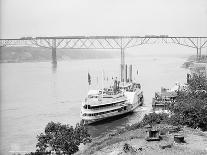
x=200, y=54
x=197, y=53
x=54, y=56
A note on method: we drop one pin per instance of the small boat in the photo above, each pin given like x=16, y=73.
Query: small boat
x=120, y=99
x=167, y=96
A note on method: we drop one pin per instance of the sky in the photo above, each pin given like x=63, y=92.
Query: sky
x=103, y=17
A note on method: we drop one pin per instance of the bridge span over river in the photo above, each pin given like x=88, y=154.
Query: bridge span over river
x=105, y=42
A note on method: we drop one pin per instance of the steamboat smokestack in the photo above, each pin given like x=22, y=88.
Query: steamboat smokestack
x=122, y=72
x=126, y=73
x=130, y=73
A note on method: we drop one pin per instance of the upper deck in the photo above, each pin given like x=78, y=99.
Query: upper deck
x=97, y=98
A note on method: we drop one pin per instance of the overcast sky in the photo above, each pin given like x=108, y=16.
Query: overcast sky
x=103, y=17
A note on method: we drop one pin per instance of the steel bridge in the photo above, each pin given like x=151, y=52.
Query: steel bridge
x=105, y=42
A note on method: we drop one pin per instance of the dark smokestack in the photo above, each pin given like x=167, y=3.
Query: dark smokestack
x=126, y=73
x=130, y=73
x=122, y=72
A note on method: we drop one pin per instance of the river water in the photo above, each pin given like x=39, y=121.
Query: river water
x=33, y=94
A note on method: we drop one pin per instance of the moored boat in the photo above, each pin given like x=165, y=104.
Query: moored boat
x=167, y=96
x=110, y=102
x=121, y=98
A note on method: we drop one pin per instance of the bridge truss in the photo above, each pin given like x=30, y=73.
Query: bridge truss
x=105, y=42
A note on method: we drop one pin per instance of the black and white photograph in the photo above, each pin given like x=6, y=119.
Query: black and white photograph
x=103, y=77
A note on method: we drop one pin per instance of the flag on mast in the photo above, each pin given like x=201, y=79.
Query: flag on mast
x=89, y=79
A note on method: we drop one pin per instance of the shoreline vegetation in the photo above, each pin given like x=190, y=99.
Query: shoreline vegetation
x=193, y=59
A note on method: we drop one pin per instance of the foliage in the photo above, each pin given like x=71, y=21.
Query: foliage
x=154, y=118
x=197, y=83
x=191, y=107
x=63, y=139
x=191, y=111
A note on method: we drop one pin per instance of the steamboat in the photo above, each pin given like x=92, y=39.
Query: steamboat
x=121, y=98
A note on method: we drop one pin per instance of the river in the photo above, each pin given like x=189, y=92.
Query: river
x=33, y=94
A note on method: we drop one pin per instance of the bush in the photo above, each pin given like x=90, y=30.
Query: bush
x=191, y=112
x=197, y=83
x=63, y=139
x=154, y=118
x=191, y=107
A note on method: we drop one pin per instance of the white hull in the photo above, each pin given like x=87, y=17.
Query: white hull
x=93, y=119
x=130, y=101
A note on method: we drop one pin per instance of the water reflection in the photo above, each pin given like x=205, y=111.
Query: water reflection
x=54, y=82
x=54, y=67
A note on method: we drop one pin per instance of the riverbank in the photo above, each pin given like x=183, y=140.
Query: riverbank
x=188, y=110
x=189, y=62
x=195, y=143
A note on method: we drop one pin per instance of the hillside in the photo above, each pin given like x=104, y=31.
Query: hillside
x=35, y=54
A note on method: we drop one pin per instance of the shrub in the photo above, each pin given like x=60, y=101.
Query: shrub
x=197, y=83
x=191, y=112
x=154, y=118
x=63, y=139
x=191, y=107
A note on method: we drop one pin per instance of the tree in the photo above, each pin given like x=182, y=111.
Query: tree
x=197, y=83
x=191, y=107
x=154, y=118
x=63, y=139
